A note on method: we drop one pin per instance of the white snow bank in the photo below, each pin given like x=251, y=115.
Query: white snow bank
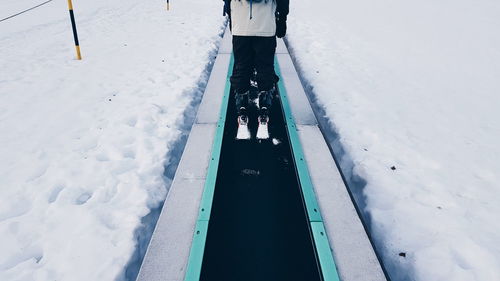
x=415, y=85
x=83, y=143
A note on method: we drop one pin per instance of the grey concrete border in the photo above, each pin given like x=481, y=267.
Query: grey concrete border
x=351, y=247
x=168, y=252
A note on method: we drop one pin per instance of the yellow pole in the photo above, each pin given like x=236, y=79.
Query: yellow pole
x=168, y=5
x=75, y=34
x=78, y=53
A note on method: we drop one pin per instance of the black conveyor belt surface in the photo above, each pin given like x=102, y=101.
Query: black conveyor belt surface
x=258, y=227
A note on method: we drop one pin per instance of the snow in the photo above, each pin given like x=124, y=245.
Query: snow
x=84, y=143
x=11, y=7
x=411, y=89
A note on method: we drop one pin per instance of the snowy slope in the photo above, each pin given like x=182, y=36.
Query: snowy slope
x=414, y=85
x=11, y=7
x=84, y=143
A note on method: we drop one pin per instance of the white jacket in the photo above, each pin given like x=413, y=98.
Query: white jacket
x=262, y=23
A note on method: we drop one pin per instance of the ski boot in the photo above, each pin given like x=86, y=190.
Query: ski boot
x=263, y=131
x=265, y=102
x=243, y=132
x=241, y=98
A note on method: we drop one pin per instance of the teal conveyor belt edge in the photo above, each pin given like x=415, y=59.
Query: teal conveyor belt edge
x=321, y=242
x=318, y=233
x=195, y=260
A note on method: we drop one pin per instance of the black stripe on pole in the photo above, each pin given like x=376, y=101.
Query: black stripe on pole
x=73, y=24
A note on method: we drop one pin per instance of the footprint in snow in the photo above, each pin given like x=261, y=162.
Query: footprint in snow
x=102, y=157
x=54, y=194
x=83, y=198
x=129, y=153
x=29, y=253
x=131, y=121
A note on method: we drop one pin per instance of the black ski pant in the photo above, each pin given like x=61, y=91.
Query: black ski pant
x=253, y=52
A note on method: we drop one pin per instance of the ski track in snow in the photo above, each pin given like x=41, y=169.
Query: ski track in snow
x=84, y=143
x=412, y=91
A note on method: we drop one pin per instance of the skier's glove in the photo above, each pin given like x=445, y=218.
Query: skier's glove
x=280, y=25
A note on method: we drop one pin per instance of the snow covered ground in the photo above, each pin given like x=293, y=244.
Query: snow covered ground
x=83, y=144
x=413, y=90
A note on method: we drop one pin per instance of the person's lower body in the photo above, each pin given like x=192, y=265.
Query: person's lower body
x=253, y=53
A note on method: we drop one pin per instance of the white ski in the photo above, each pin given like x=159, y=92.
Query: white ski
x=262, y=131
x=243, y=131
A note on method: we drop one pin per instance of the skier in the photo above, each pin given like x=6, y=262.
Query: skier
x=255, y=24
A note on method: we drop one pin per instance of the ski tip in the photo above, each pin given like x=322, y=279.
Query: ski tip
x=263, y=134
x=243, y=133
x=262, y=131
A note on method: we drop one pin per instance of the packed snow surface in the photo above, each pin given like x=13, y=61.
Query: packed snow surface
x=83, y=144
x=413, y=90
